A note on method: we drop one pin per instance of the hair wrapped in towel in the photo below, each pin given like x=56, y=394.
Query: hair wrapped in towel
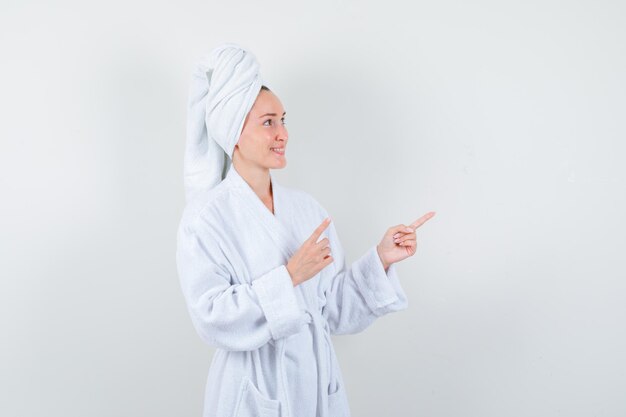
x=224, y=86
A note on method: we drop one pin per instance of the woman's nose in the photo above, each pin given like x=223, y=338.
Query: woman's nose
x=282, y=133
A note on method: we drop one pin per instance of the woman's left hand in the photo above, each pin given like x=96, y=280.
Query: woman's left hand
x=399, y=241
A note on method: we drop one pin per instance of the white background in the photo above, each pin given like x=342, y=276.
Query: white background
x=506, y=118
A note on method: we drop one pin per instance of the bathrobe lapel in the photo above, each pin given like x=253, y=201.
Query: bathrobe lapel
x=284, y=240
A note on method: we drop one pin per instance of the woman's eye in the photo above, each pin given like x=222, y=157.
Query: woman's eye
x=265, y=123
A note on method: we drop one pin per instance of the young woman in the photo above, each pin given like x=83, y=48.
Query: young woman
x=261, y=266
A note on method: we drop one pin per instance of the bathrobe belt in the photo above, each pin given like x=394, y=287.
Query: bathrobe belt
x=322, y=345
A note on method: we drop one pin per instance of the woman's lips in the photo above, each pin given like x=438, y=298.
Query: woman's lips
x=279, y=151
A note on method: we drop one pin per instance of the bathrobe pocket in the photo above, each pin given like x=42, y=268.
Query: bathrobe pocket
x=337, y=400
x=338, y=404
x=253, y=403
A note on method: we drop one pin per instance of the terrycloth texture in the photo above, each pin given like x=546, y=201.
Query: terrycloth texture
x=274, y=355
x=224, y=86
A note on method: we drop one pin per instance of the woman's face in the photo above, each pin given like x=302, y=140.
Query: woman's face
x=264, y=136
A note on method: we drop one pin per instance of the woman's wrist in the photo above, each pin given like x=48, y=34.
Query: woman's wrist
x=293, y=281
x=386, y=265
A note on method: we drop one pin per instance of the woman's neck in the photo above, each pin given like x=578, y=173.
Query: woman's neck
x=257, y=178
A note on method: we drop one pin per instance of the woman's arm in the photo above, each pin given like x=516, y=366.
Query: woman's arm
x=353, y=297
x=235, y=317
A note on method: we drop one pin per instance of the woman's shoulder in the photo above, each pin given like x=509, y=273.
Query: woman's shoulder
x=204, y=203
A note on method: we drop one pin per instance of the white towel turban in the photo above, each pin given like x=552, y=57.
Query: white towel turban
x=224, y=86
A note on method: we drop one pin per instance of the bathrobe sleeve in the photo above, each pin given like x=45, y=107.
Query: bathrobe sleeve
x=236, y=317
x=355, y=295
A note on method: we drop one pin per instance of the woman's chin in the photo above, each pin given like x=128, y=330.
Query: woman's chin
x=279, y=164
x=278, y=161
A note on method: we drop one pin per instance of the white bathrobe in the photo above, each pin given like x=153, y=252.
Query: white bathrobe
x=274, y=356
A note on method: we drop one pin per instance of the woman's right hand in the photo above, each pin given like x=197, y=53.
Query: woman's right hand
x=312, y=256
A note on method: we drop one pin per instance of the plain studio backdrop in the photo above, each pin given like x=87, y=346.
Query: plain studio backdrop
x=506, y=118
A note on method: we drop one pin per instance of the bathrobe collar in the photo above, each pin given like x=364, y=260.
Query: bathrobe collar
x=273, y=222
x=235, y=177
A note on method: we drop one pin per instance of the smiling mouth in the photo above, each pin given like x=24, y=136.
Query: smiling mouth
x=279, y=151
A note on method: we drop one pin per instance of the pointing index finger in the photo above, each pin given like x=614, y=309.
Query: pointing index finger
x=318, y=231
x=417, y=223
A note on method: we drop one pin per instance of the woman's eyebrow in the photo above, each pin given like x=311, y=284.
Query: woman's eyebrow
x=271, y=114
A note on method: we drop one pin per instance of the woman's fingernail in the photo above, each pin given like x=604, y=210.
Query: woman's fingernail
x=408, y=229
